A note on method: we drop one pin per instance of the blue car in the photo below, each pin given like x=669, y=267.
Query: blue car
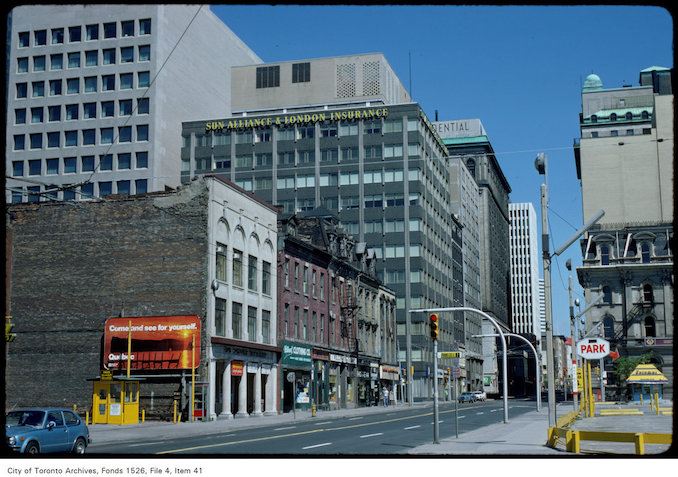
x=38, y=431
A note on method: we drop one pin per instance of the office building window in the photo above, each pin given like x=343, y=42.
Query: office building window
x=252, y=273
x=145, y=26
x=142, y=160
x=54, y=113
x=73, y=86
x=220, y=317
x=56, y=61
x=107, y=109
x=87, y=190
x=90, y=84
x=74, y=34
x=237, y=268
x=24, y=39
x=110, y=30
x=144, y=79
x=124, y=187
x=18, y=168
x=126, y=81
x=124, y=161
x=127, y=28
x=38, y=89
x=105, y=188
x=143, y=106
x=20, y=116
x=21, y=90
x=34, y=167
x=88, y=137
x=22, y=65
x=91, y=58
x=89, y=110
x=125, y=134
x=92, y=32
x=37, y=115
x=87, y=164
x=265, y=278
x=19, y=142
x=236, y=320
x=251, y=323
x=108, y=82
x=106, y=162
x=142, y=132
x=70, y=165
x=268, y=76
x=74, y=60
x=106, y=135
x=141, y=186
x=57, y=36
x=144, y=52
x=266, y=326
x=39, y=63
x=301, y=72
x=221, y=262
x=36, y=141
x=40, y=37
x=108, y=56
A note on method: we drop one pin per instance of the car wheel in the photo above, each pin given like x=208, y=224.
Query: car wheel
x=32, y=448
x=80, y=446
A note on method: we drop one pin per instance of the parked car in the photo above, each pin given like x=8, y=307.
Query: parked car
x=467, y=397
x=35, y=431
x=480, y=395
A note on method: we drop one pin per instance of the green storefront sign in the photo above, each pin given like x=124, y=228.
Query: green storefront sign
x=296, y=355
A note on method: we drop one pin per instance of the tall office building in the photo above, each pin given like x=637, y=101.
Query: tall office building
x=624, y=160
x=524, y=270
x=96, y=95
x=467, y=141
x=342, y=133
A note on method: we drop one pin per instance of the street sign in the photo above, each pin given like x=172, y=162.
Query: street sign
x=456, y=372
x=593, y=348
x=449, y=354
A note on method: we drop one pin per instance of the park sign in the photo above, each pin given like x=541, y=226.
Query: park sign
x=593, y=348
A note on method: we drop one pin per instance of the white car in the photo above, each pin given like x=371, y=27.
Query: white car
x=480, y=395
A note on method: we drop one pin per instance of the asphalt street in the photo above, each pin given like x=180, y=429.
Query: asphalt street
x=388, y=431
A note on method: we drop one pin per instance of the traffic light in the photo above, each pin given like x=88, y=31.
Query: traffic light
x=434, y=326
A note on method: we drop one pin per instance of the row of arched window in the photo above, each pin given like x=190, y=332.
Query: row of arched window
x=615, y=117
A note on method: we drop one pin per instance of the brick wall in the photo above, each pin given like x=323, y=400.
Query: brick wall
x=74, y=266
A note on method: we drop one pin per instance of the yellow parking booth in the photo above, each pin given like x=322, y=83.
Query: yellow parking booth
x=115, y=400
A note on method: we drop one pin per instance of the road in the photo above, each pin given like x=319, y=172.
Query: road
x=372, y=434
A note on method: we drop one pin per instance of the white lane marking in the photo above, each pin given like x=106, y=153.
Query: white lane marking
x=144, y=444
x=355, y=418
x=284, y=428
x=479, y=413
x=494, y=410
x=411, y=427
x=321, y=423
x=372, y=435
x=461, y=417
x=317, y=445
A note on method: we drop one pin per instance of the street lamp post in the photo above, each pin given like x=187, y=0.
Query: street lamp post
x=541, y=165
x=503, y=342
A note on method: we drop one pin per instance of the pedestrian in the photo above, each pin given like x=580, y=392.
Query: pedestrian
x=385, y=396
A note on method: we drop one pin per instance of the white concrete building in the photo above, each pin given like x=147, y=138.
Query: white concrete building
x=97, y=93
x=524, y=270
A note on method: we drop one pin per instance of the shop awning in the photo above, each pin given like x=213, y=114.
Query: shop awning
x=646, y=374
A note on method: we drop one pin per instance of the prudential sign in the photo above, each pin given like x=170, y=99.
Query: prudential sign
x=593, y=348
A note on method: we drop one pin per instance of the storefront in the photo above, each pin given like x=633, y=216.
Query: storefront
x=342, y=380
x=389, y=376
x=297, y=372
x=245, y=380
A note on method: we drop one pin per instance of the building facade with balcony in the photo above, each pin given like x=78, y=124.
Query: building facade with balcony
x=624, y=160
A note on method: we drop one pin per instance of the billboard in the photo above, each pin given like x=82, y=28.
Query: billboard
x=157, y=342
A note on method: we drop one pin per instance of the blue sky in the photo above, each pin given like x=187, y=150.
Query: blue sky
x=519, y=69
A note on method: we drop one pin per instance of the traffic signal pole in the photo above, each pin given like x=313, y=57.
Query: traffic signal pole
x=434, y=335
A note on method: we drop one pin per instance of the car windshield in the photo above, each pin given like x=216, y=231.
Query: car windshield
x=25, y=418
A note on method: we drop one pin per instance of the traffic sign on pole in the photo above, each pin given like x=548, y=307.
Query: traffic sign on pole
x=593, y=348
